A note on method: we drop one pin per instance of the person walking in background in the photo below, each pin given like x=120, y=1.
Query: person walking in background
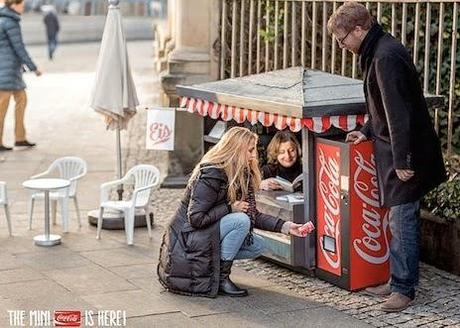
x=13, y=56
x=407, y=150
x=50, y=18
x=213, y=225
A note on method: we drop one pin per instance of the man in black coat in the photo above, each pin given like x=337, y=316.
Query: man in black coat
x=51, y=21
x=407, y=149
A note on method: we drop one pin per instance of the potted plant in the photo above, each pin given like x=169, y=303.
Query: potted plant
x=440, y=223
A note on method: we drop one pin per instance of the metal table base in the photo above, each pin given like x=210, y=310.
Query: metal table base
x=50, y=240
x=47, y=239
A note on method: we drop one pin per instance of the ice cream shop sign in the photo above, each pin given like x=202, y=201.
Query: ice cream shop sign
x=160, y=128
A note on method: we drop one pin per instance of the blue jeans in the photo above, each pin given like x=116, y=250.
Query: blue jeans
x=404, y=248
x=234, y=228
x=52, y=45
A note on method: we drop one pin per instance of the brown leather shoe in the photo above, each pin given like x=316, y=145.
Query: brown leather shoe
x=5, y=148
x=24, y=143
x=396, y=303
x=380, y=290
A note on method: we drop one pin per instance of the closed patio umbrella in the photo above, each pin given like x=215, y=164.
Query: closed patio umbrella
x=114, y=94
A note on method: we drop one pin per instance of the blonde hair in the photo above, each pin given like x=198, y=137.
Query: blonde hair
x=274, y=145
x=9, y=3
x=229, y=154
x=348, y=16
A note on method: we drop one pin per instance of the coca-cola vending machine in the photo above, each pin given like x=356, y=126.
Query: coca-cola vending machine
x=352, y=244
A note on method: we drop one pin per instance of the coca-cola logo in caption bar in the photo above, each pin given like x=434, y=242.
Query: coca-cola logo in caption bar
x=372, y=245
x=67, y=318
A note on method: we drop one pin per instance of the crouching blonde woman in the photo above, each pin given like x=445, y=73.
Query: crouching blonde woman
x=213, y=225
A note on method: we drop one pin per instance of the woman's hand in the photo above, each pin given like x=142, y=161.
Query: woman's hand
x=269, y=184
x=239, y=206
x=301, y=230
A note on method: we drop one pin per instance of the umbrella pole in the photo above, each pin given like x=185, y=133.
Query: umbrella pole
x=115, y=219
x=119, y=171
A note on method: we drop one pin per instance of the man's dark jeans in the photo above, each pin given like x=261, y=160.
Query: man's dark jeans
x=404, y=248
x=52, y=45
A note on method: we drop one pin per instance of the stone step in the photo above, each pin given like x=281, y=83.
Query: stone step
x=169, y=81
x=188, y=67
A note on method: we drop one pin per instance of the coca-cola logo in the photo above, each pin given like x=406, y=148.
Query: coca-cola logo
x=67, y=318
x=329, y=190
x=373, y=246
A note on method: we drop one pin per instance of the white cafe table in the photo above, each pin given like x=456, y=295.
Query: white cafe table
x=46, y=185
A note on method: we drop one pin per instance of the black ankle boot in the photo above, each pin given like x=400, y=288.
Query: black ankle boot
x=226, y=286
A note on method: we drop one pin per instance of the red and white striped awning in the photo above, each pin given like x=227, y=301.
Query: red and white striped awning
x=227, y=113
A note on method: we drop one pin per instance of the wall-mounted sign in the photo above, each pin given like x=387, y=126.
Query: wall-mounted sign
x=160, y=128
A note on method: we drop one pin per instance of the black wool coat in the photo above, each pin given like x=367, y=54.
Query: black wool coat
x=399, y=121
x=52, y=24
x=290, y=174
x=273, y=170
x=190, y=251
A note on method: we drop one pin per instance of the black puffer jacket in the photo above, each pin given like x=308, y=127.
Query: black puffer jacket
x=190, y=251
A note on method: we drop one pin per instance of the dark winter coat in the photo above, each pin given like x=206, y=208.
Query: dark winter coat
x=399, y=122
x=13, y=54
x=190, y=250
x=52, y=24
x=273, y=170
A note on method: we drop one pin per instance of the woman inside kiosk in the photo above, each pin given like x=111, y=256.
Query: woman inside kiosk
x=284, y=161
x=214, y=222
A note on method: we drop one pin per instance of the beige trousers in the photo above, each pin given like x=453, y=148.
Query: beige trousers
x=20, y=99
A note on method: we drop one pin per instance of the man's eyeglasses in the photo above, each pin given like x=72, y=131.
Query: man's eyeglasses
x=343, y=39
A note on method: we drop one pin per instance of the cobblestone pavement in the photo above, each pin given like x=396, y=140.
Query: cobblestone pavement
x=437, y=303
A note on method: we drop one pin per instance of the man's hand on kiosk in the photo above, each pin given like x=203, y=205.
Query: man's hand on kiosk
x=356, y=137
x=404, y=175
x=239, y=206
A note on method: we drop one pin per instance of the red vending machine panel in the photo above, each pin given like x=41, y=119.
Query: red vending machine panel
x=352, y=230
x=328, y=208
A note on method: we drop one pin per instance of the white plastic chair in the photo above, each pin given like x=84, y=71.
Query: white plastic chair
x=144, y=177
x=69, y=168
x=4, y=203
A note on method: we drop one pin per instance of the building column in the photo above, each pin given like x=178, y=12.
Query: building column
x=195, y=29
